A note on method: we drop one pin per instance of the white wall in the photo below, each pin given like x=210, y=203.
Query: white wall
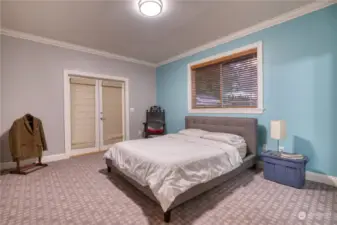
x=32, y=81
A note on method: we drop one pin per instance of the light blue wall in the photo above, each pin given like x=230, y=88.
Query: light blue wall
x=300, y=86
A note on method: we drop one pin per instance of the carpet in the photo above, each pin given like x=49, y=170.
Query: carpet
x=80, y=191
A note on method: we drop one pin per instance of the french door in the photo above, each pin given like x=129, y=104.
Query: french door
x=111, y=113
x=97, y=114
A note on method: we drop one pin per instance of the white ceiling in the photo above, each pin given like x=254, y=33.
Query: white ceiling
x=117, y=27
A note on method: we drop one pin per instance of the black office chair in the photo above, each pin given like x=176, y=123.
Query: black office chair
x=155, y=122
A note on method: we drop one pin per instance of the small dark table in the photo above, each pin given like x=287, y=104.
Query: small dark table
x=290, y=172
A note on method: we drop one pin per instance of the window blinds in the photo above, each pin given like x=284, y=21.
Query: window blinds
x=239, y=79
x=83, y=108
x=112, y=112
x=207, y=87
x=227, y=83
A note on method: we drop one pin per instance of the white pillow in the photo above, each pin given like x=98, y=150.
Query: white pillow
x=193, y=132
x=231, y=139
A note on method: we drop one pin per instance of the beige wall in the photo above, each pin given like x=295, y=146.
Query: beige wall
x=32, y=81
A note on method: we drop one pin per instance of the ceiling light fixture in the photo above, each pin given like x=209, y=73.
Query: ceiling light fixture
x=150, y=7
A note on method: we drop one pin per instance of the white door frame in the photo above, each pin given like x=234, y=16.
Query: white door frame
x=67, y=107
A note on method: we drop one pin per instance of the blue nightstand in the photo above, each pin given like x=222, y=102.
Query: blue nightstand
x=290, y=172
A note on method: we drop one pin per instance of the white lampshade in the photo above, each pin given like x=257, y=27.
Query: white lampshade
x=150, y=7
x=278, y=129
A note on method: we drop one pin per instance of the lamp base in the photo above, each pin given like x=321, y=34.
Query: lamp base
x=278, y=147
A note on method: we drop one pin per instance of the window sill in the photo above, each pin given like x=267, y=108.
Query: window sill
x=231, y=111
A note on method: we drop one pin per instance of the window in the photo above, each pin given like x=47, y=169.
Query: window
x=227, y=83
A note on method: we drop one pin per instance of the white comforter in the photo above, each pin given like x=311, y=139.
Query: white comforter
x=173, y=163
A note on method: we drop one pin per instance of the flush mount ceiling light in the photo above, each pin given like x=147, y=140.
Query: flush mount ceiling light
x=150, y=7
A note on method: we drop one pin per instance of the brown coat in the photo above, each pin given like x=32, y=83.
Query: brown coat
x=25, y=142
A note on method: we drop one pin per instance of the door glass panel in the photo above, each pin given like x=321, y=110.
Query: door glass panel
x=112, y=115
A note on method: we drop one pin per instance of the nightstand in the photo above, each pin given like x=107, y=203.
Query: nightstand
x=290, y=172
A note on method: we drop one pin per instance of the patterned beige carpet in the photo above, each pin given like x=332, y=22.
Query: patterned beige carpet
x=79, y=191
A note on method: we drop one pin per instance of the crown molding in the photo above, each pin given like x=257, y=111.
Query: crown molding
x=236, y=35
x=250, y=30
x=66, y=45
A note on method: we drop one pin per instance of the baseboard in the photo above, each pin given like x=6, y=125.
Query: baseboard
x=46, y=159
x=312, y=176
x=321, y=178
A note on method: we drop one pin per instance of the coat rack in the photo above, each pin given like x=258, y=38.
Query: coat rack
x=29, y=168
x=31, y=128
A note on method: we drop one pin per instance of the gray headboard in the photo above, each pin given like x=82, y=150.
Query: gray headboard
x=245, y=127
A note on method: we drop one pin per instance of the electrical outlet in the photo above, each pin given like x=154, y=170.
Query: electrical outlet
x=281, y=148
x=140, y=132
x=264, y=147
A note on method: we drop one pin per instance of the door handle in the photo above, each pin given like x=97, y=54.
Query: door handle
x=103, y=118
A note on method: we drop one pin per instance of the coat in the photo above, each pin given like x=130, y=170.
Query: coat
x=26, y=142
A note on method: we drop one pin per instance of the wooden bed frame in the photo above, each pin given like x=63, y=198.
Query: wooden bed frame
x=245, y=127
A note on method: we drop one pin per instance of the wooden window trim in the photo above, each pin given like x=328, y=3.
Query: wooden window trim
x=193, y=90
x=255, y=48
x=225, y=58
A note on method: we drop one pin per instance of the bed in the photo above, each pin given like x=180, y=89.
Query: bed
x=245, y=127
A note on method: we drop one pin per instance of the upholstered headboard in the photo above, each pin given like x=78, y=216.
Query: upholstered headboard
x=245, y=127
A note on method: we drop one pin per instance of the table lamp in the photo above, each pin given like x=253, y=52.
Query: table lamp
x=278, y=131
